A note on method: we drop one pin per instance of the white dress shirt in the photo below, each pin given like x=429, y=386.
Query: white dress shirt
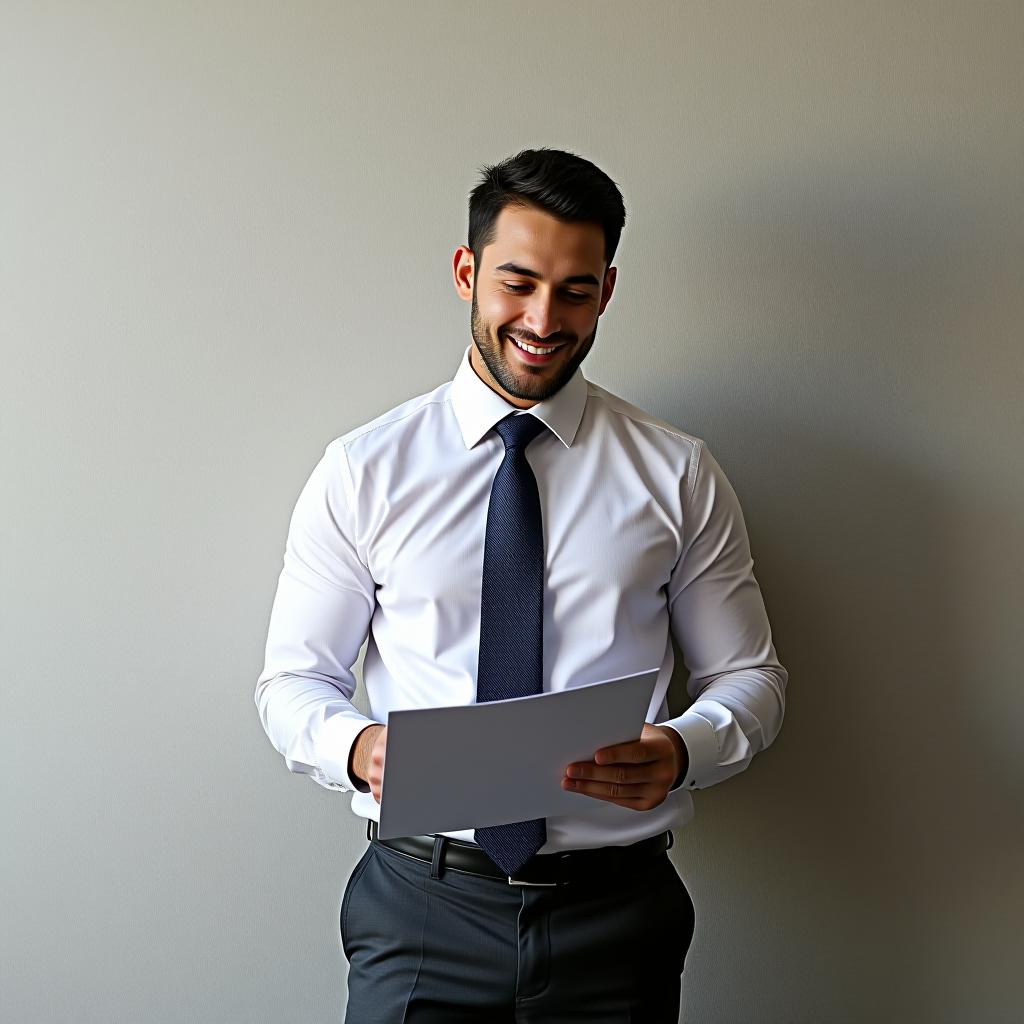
x=643, y=535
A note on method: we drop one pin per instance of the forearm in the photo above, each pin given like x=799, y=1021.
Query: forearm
x=319, y=620
x=733, y=718
x=313, y=725
x=719, y=621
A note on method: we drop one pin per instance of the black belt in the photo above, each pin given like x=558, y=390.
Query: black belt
x=542, y=869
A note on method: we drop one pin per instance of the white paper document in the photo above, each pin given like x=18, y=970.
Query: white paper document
x=447, y=769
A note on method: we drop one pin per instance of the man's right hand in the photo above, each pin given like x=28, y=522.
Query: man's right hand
x=368, y=757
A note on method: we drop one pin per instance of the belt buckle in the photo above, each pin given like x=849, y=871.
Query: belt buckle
x=538, y=885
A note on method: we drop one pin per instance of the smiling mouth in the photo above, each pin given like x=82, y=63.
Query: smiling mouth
x=536, y=350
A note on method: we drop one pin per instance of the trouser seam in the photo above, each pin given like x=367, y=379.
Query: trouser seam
x=423, y=932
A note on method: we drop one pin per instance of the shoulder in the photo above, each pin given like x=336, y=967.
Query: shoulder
x=391, y=427
x=671, y=453
x=618, y=413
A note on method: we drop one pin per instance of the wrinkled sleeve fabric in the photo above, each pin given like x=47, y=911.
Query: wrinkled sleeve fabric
x=319, y=620
x=719, y=621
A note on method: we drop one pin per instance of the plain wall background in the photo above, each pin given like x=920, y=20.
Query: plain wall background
x=225, y=239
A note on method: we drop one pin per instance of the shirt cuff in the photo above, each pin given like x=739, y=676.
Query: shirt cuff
x=334, y=748
x=698, y=735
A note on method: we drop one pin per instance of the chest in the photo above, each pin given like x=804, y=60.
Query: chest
x=610, y=531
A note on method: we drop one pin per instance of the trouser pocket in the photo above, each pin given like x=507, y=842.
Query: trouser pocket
x=346, y=899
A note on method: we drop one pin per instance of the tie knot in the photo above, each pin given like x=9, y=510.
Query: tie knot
x=518, y=431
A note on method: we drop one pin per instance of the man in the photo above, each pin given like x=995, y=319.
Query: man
x=520, y=530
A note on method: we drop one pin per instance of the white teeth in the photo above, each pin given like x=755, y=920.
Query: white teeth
x=531, y=348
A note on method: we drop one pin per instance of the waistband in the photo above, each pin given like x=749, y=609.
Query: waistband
x=546, y=869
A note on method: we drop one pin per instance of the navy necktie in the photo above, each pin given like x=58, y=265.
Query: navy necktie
x=512, y=612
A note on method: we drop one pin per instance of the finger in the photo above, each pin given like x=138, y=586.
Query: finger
x=615, y=788
x=637, y=752
x=625, y=774
x=640, y=798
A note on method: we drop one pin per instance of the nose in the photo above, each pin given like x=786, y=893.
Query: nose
x=541, y=317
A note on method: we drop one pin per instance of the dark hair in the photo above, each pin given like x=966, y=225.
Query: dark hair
x=560, y=183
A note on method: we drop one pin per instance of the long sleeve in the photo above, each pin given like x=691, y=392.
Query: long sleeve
x=319, y=620
x=719, y=621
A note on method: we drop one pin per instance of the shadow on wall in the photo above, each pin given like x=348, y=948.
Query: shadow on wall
x=859, y=379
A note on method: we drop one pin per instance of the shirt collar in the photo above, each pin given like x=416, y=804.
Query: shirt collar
x=477, y=408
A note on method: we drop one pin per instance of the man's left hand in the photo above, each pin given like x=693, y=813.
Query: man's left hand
x=637, y=775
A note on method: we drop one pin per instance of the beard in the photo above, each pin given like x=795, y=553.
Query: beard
x=528, y=383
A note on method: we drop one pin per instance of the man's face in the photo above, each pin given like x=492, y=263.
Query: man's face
x=541, y=282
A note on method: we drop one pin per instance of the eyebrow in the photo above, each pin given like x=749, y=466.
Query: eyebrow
x=514, y=268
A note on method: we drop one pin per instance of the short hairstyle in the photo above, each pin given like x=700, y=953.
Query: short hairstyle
x=562, y=184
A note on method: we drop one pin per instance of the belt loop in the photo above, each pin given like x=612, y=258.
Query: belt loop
x=436, y=866
x=369, y=822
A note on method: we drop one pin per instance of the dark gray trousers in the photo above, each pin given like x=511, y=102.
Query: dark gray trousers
x=460, y=948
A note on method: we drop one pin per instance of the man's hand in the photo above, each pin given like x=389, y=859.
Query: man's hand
x=637, y=775
x=368, y=757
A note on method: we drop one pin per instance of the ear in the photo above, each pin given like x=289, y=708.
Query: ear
x=609, y=287
x=463, y=268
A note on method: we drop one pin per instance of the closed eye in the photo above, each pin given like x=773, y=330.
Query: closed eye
x=518, y=289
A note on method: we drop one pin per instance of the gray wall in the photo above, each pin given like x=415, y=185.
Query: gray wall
x=225, y=239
